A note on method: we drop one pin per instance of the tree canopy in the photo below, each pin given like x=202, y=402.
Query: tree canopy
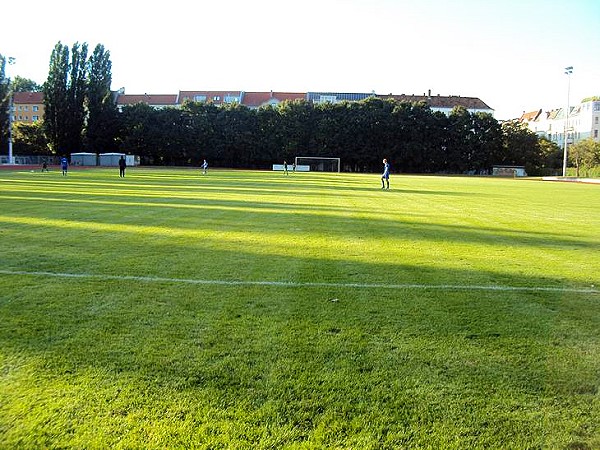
x=410, y=135
x=81, y=114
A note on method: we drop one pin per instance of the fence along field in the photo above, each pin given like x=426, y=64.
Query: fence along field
x=250, y=309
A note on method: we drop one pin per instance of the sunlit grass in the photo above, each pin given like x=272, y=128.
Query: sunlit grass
x=86, y=362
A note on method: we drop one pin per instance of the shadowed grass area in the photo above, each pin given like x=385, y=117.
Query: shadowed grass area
x=87, y=362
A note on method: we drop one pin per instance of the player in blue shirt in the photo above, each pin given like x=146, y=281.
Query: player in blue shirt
x=64, y=164
x=204, y=167
x=385, y=177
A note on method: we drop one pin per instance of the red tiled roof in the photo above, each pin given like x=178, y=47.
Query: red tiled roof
x=28, y=97
x=530, y=116
x=256, y=99
x=441, y=101
x=163, y=100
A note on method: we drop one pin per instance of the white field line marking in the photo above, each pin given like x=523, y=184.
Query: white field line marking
x=444, y=287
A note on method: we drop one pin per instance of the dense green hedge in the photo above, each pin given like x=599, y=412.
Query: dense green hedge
x=410, y=135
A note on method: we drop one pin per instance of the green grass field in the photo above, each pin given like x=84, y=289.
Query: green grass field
x=250, y=310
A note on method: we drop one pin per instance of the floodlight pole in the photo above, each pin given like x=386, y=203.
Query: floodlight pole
x=11, y=61
x=568, y=72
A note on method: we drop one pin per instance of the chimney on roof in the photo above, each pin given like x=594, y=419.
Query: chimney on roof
x=429, y=93
x=271, y=93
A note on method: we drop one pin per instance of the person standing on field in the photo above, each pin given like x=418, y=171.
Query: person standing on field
x=122, y=166
x=204, y=167
x=385, y=177
x=285, y=171
x=64, y=165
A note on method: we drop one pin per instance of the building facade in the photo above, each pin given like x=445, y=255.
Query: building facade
x=27, y=107
x=444, y=103
x=582, y=122
x=155, y=101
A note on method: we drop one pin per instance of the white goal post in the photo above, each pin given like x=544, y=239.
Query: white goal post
x=319, y=163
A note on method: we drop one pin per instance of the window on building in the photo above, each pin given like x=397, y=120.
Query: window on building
x=595, y=134
x=216, y=98
x=200, y=98
x=327, y=99
x=596, y=120
x=596, y=106
x=35, y=108
x=35, y=118
x=26, y=108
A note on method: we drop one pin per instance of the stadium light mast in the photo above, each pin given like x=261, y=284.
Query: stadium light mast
x=568, y=72
x=11, y=61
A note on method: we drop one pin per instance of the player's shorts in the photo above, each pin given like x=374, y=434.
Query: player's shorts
x=385, y=176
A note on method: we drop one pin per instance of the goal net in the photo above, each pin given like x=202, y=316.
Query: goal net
x=318, y=164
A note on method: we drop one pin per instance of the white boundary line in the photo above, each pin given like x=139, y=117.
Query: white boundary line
x=443, y=287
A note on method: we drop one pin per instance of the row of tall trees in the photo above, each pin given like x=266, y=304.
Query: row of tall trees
x=81, y=115
x=80, y=112
x=410, y=135
x=28, y=136
x=79, y=108
x=5, y=92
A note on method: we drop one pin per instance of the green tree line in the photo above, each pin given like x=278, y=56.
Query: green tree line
x=410, y=135
x=81, y=115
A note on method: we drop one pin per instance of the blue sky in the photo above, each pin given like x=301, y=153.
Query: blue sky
x=511, y=54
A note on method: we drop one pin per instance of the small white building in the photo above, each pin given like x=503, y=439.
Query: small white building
x=110, y=159
x=84, y=159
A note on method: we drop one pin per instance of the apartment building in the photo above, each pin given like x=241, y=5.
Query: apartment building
x=155, y=101
x=28, y=107
x=442, y=103
x=583, y=122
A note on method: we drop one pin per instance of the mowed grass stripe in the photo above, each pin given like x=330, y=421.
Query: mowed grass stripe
x=294, y=284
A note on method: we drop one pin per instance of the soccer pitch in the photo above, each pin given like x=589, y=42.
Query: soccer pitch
x=255, y=310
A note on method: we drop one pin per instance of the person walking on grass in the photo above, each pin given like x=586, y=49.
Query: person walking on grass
x=122, y=166
x=385, y=177
x=204, y=167
x=64, y=165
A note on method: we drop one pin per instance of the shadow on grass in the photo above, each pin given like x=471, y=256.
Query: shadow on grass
x=291, y=362
x=273, y=359
x=272, y=217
